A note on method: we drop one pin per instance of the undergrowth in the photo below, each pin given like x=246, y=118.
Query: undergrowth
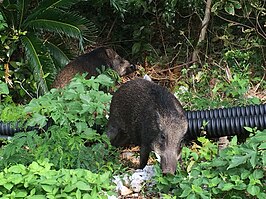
x=40, y=180
x=67, y=127
x=237, y=171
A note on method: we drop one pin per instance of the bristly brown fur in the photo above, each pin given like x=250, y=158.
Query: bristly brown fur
x=89, y=63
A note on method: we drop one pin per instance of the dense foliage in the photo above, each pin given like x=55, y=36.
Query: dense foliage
x=158, y=34
x=237, y=171
x=40, y=180
x=36, y=37
x=66, y=123
x=65, y=127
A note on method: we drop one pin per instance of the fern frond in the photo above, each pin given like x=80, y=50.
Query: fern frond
x=57, y=54
x=38, y=59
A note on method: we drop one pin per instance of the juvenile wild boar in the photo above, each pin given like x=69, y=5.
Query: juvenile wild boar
x=89, y=62
x=148, y=115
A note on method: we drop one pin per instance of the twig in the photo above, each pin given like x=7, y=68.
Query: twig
x=178, y=66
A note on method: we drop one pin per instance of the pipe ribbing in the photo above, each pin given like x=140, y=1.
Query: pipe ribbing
x=220, y=122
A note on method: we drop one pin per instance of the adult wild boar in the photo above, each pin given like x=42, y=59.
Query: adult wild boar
x=148, y=115
x=89, y=63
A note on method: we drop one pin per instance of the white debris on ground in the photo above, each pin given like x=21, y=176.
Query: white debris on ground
x=130, y=184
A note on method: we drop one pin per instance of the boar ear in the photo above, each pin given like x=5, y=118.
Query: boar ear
x=158, y=120
x=110, y=53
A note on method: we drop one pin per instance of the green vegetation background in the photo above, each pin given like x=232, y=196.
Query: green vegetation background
x=40, y=37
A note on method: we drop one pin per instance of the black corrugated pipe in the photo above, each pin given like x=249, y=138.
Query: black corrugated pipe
x=228, y=112
x=10, y=128
x=220, y=122
x=219, y=127
x=226, y=121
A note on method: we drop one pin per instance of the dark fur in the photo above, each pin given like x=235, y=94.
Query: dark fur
x=146, y=114
x=89, y=62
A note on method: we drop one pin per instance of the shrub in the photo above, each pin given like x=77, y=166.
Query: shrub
x=40, y=180
x=65, y=128
x=238, y=171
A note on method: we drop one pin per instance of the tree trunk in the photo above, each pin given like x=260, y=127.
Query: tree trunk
x=205, y=22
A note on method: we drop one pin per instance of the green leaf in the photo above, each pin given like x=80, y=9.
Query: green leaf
x=261, y=195
x=216, y=6
x=237, y=4
x=262, y=146
x=233, y=142
x=37, y=119
x=78, y=194
x=37, y=197
x=185, y=193
x=236, y=161
x=253, y=158
x=197, y=189
x=227, y=186
x=214, y=182
x=253, y=190
x=8, y=186
x=264, y=158
x=192, y=196
x=229, y=8
x=3, y=88
x=258, y=174
x=20, y=168
x=33, y=46
x=83, y=186
x=21, y=194
x=249, y=129
x=245, y=174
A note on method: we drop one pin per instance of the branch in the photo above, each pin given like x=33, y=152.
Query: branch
x=205, y=22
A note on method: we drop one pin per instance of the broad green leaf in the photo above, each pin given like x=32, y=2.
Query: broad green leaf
x=192, y=196
x=236, y=161
x=8, y=186
x=3, y=88
x=69, y=188
x=237, y=4
x=185, y=193
x=83, y=186
x=253, y=159
x=21, y=194
x=50, y=181
x=261, y=195
x=20, y=168
x=37, y=119
x=15, y=178
x=258, y=174
x=197, y=189
x=253, y=190
x=229, y=8
x=214, y=182
x=228, y=186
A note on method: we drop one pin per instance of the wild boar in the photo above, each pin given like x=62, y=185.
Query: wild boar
x=89, y=63
x=148, y=115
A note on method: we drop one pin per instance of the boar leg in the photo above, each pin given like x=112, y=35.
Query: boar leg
x=144, y=156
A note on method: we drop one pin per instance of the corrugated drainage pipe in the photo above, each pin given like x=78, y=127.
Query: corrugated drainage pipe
x=220, y=122
x=226, y=122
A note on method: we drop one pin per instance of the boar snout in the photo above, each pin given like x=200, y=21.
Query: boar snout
x=169, y=162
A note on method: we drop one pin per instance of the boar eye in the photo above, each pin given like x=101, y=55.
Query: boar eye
x=162, y=136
